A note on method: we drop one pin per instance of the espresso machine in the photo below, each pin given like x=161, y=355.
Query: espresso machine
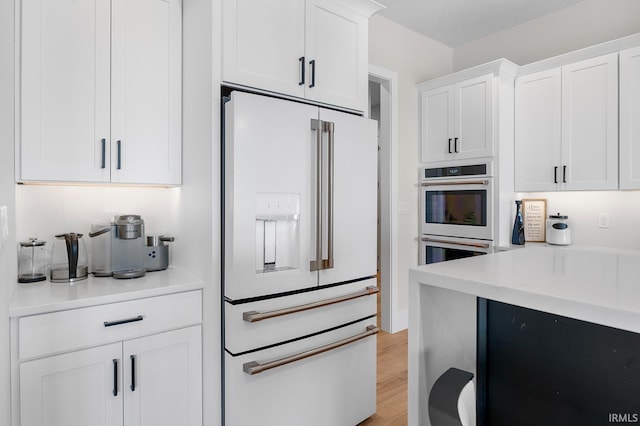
x=118, y=248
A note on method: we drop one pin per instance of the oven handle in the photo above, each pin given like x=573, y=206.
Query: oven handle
x=468, y=182
x=254, y=316
x=255, y=367
x=478, y=245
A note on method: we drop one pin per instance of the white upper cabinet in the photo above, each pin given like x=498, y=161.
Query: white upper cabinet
x=538, y=131
x=263, y=44
x=474, y=117
x=337, y=55
x=590, y=124
x=316, y=49
x=457, y=120
x=100, y=87
x=437, y=124
x=146, y=79
x=65, y=130
x=630, y=119
x=567, y=127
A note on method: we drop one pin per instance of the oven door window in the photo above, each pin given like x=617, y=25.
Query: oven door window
x=436, y=254
x=461, y=207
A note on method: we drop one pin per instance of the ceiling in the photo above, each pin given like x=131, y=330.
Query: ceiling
x=456, y=22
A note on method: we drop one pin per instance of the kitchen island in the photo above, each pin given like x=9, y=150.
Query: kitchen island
x=595, y=290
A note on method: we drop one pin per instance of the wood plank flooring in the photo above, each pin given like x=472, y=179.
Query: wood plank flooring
x=391, y=393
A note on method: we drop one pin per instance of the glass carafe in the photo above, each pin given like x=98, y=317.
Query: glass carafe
x=33, y=260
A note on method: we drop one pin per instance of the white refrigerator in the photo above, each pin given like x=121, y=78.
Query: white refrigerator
x=299, y=256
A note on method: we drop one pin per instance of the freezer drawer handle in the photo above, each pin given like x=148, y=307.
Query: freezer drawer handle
x=255, y=367
x=123, y=321
x=254, y=316
x=468, y=182
x=458, y=243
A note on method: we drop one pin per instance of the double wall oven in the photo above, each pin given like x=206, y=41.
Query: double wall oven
x=456, y=212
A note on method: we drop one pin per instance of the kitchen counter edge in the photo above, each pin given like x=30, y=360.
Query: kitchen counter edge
x=46, y=297
x=484, y=287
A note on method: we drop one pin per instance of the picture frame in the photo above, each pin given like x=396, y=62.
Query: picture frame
x=534, y=216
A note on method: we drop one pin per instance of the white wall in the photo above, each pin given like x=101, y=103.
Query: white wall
x=583, y=208
x=584, y=24
x=415, y=58
x=8, y=259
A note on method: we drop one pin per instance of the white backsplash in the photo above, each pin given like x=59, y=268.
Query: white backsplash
x=46, y=210
x=583, y=208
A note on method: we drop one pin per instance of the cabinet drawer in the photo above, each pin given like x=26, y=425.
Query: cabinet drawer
x=296, y=392
x=291, y=317
x=56, y=332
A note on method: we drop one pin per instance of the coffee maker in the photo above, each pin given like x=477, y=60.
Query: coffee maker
x=117, y=249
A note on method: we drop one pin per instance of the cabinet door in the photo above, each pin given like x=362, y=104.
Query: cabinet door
x=337, y=55
x=163, y=379
x=146, y=92
x=630, y=119
x=74, y=389
x=437, y=124
x=64, y=129
x=474, y=117
x=590, y=123
x=538, y=131
x=263, y=44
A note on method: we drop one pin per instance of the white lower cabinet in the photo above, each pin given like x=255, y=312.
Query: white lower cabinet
x=72, y=389
x=151, y=380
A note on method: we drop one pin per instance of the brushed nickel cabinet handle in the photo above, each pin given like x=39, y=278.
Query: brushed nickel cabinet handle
x=255, y=316
x=255, y=367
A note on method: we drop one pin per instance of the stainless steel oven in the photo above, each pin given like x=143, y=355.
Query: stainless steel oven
x=456, y=201
x=434, y=249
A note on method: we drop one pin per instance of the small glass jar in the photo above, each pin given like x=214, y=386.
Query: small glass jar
x=33, y=261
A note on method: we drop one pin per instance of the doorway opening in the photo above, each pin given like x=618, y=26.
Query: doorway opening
x=383, y=106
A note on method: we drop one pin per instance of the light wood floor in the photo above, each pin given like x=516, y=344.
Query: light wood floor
x=391, y=394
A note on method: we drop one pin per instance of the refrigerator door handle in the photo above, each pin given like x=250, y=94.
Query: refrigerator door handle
x=317, y=126
x=328, y=262
x=255, y=367
x=255, y=316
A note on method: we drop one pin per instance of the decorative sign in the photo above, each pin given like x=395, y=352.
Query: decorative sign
x=534, y=215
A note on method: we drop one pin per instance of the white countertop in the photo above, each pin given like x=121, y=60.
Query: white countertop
x=598, y=285
x=45, y=296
